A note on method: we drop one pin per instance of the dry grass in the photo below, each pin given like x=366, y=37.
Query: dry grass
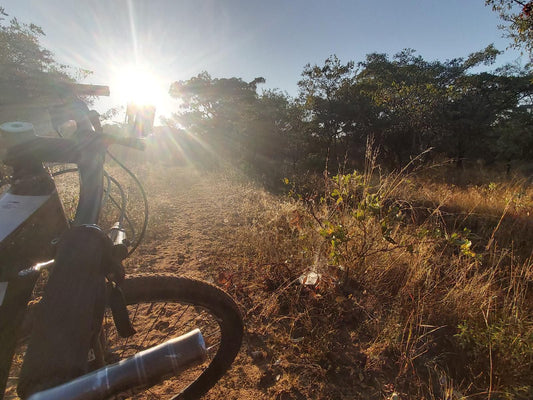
x=409, y=301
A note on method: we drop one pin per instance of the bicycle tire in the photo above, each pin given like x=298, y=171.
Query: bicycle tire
x=173, y=290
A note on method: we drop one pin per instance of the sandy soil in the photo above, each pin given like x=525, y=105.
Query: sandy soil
x=192, y=229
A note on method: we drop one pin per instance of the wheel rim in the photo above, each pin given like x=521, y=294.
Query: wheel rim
x=155, y=323
x=163, y=307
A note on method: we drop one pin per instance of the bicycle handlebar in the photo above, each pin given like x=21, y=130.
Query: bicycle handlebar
x=83, y=89
x=62, y=150
x=87, y=147
x=40, y=149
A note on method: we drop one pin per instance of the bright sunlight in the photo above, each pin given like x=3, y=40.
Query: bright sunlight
x=138, y=84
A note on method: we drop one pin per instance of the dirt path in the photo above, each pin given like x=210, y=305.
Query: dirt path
x=193, y=225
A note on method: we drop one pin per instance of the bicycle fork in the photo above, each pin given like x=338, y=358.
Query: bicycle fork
x=71, y=310
x=140, y=371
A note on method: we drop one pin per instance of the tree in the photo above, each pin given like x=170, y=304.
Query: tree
x=407, y=92
x=238, y=124
x=513, y=135
x=408, y=104
x=323, y=92
x=518, y=15
x=479, y=104
x=27, y=70
x=214, y=110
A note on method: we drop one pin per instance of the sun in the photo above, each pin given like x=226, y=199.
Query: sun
x=139, y=85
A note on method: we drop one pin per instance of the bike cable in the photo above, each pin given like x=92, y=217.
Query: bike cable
x=145, y=201
x=141, y=190
x=107, y=196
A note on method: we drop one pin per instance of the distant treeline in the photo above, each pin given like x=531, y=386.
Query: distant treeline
x=404, y=104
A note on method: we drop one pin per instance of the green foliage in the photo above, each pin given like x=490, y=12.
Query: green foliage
x=405, y=104
x=259, y=133
x=513, y=135
x=354, y=218
x=410, y=105
x=462, y=241
x=507, y=344
x=28, y=71
x=518, y=19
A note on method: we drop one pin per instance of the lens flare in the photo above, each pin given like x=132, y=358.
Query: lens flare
x=139, y=85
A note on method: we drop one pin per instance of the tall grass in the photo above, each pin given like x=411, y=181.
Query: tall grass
x=425, y=289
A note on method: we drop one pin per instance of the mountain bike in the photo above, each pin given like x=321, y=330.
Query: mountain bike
x=72, y=324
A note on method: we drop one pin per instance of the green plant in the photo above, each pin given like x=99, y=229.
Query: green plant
x=504, y=346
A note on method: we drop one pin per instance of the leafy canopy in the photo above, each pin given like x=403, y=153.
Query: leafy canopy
x=518, y=18
x=28, y=71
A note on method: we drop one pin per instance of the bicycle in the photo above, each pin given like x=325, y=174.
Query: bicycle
x=96, y=333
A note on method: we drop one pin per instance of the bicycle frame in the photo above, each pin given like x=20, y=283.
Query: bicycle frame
x=35, y=229
x=33, y=218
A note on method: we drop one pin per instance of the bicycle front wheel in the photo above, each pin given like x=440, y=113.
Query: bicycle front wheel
x=165, y=306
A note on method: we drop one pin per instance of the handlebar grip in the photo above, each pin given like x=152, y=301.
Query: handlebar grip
x=142, y=370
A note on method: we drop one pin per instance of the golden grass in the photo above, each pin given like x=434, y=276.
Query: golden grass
x=412, y=307
x=409, y=301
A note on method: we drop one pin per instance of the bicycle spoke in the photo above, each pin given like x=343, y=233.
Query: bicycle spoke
x=153, y=324
x=160, y=313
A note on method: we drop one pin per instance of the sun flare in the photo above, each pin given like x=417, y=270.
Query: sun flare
x=140, y=85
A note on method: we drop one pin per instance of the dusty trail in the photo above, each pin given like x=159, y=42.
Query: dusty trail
x=192, y=221
x=193, y=227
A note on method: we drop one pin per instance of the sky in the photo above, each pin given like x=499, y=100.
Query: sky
x=139, y=47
